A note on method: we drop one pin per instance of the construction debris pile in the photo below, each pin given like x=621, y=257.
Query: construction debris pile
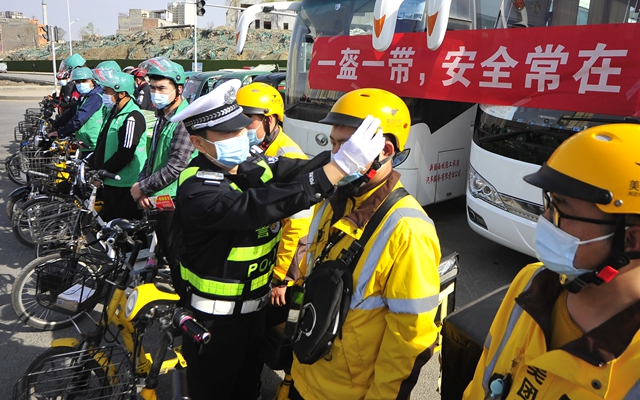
x=175, y=43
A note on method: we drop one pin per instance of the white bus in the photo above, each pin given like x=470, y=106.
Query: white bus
x=441, y=130
x=510, y=142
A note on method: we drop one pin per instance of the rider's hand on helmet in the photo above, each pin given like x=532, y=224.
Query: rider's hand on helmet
x=362, y=148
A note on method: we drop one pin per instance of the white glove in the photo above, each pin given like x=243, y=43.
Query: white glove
x=362, y=148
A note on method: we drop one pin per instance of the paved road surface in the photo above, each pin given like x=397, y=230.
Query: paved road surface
x=485, y=267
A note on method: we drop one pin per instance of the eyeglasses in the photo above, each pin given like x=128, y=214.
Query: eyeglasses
x=557, y=215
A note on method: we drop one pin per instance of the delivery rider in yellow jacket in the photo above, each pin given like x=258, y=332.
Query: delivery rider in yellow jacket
x=569, y=327
x=263, y=104
x=228, y=214
x=389, y=332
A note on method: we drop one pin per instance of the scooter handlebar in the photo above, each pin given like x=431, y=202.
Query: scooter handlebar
x=105, y=174
x=182, y=319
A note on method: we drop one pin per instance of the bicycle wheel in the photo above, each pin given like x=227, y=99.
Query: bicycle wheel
x=34, y=294
x=13, y=204
x=13, y=166
x=20, y=221
x=63, y=372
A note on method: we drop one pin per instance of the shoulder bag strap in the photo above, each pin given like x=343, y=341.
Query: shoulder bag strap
x=353, y=253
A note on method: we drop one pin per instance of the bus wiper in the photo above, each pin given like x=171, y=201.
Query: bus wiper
x=603, y=120
x=507, y=135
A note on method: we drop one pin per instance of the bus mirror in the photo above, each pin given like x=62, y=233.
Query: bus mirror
x=400, y=157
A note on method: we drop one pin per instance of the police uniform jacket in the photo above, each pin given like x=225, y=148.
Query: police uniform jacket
x=603, y=363
x=293, y=245
x=230, y=227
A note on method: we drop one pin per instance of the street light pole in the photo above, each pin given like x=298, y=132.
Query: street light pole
x=69, y=20
x=195, y=40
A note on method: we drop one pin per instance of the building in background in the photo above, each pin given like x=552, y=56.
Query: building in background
x=263, y=20
x=139, y=20
x=183, y=13
x=17, y=32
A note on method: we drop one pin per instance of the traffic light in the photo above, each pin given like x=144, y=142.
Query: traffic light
x=45, y=29
x=55, y=34
x=200, y=7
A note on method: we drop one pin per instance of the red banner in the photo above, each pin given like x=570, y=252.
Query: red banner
x=591, y=68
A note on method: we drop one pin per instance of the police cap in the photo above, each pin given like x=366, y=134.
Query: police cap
x=218, y=110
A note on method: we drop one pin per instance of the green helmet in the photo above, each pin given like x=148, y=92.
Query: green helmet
x=72, y=62
x=108, y=65
x=80, y=74
x=114, y=79
x=162, y=66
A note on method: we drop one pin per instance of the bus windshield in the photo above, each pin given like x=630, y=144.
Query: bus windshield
x=530, y=134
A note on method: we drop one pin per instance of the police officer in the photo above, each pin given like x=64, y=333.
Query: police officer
x=228, y=213
x=263, y=104
x=389, y=332
x=568, y=327
x=170, y=150
x=121, y=147
x=87, y=119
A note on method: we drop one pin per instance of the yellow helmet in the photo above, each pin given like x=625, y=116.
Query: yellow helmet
x=600, y=165
x=260, y=98
x=353, y=107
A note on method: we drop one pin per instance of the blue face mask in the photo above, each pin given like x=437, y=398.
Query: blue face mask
x=160, y=100
x=63, y=82
x=349, y=178
x=107, y=100
x=231, y=152
x=557, y=249
x=83, y=88
x=253, y=137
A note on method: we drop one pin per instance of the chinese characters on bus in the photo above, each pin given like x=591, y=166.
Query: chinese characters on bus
x=541, y=67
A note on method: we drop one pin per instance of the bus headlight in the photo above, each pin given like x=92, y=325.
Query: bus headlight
x=481, y=188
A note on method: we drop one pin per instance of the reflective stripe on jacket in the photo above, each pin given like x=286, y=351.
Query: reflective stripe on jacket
x=603, y=364
x=293, y=245
x=249, y=262
x=389, y=332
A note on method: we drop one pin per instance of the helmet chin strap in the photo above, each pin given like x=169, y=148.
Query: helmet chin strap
x=352, y=188
x=268, y=139
x=609, y=269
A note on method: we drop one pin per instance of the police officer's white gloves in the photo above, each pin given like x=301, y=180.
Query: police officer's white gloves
x=362, y=148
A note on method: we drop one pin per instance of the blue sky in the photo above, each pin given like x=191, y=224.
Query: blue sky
x=103, y=13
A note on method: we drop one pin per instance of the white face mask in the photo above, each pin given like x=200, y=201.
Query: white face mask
x=253, y=137
x=107, y=100
x=160, y=100
x=231, y=152
x=83, y=87
x=557, y=249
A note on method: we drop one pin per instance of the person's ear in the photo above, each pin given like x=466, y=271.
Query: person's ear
x=388, y=150
x=632, y=239
x=197, y=142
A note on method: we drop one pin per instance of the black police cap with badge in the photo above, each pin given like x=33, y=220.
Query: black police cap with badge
x=218, y=111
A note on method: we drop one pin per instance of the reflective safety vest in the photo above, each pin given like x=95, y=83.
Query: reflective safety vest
x=250, y=259
x=162, y=149
x=129, y=174
x=89, y=132
x=284, y=146
x=601, y=364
